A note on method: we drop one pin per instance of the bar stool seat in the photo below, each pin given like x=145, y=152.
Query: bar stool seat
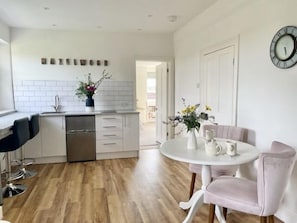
x=20, y=135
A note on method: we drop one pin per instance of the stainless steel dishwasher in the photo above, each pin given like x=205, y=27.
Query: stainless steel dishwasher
x=80, y=138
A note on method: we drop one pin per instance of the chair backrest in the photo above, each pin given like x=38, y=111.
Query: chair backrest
x=274, y=171
x=34, y=125
x=226, y=131
x=20, y=132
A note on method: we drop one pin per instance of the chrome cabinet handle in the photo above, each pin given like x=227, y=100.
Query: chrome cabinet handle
x=112, y=143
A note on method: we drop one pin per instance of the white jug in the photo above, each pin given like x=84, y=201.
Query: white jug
x=212, y=148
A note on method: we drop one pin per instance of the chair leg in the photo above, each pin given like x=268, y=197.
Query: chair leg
x=271, y=219
x=225, y=210
x=263, y=219
x=211, y=213
x=192, y=184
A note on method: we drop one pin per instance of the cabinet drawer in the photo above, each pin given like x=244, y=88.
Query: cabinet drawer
x=110, y=127
x=109, y=134
x=109, y=122
x=112, y=145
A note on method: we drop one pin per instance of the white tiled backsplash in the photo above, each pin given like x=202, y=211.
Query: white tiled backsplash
x=38, y=95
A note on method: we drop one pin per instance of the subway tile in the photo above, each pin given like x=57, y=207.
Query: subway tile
x=39, y=83
x=110, y=95
x=27, y=83
x=29, y=93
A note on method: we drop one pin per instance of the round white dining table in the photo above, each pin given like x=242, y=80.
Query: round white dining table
x=176, y=149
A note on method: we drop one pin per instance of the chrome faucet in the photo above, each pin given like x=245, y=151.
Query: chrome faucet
x=57, y=105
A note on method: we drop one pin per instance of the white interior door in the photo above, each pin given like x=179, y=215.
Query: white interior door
x=161, y=102
x=219, y=84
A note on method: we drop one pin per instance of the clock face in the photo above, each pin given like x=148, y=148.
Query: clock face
x=283, y=47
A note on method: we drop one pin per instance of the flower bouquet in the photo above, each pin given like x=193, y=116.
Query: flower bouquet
x=88, y=89
x=192, y=119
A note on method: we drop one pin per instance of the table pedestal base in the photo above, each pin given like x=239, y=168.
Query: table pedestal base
x=194, y=203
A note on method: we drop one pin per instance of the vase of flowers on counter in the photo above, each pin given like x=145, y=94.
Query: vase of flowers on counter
x=191, y=118
x=86, y=90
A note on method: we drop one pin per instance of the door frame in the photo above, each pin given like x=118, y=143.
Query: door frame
x=216, y=47
x=170, y=86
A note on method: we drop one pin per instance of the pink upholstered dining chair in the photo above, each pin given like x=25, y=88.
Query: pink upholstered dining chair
x=220, y=131
x=260, y=198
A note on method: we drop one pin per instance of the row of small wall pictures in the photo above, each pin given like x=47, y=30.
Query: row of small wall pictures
x=82, y=62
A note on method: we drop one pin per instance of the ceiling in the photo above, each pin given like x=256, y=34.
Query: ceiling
x=150, y=16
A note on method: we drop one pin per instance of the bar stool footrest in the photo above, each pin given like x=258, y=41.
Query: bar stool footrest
x=16, y=176
x=13, y=189
x=28, y=173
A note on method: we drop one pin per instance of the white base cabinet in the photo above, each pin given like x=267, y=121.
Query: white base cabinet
x=131, y=132
x=53, y=136
x=117, y=133
x=50, y=141
x=117, y=136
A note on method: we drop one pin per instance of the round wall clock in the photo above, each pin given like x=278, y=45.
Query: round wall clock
x=283, y=49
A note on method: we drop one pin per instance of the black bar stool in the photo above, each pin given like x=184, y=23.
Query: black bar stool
x=20, y=135
x=34, y=130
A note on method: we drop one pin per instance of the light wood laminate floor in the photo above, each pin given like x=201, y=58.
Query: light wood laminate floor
x=131, y=190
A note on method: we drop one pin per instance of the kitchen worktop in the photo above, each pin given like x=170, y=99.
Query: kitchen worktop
x=86, y=113
x=7, y=120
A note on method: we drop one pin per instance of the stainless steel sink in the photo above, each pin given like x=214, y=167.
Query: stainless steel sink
x=51, y=112
x=108, y=111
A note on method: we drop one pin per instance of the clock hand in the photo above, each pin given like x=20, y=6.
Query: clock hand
x=285, y=49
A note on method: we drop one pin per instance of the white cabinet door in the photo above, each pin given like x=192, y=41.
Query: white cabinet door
x=53, y=136
x=131, y=132
x=33, y=148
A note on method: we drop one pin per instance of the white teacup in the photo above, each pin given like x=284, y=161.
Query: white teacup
x=231, y=148
x=212, y=148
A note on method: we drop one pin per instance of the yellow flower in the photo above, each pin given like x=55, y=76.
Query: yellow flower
x=189, y=116
x=188, y=110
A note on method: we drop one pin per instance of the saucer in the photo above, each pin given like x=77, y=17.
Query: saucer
x=236, y=154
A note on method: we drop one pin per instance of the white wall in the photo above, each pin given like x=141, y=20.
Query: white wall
x=266, y=94
x=121, y=50
x=4, y=32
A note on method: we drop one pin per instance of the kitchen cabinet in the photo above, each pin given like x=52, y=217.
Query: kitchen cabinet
x=53, y=137
x=32, y=148
x=109, y=133
x=130, y=132
x=117, y=133
x=117, y=136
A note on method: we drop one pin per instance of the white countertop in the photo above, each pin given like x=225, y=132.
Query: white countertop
x=67, y=113
x=6, y=121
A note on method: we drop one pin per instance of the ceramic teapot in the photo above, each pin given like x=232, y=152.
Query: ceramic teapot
x=212, y=148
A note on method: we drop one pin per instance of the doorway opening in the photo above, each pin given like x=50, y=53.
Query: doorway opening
x=146, y=102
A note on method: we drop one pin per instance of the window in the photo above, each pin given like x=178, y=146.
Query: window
x=6, y=89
